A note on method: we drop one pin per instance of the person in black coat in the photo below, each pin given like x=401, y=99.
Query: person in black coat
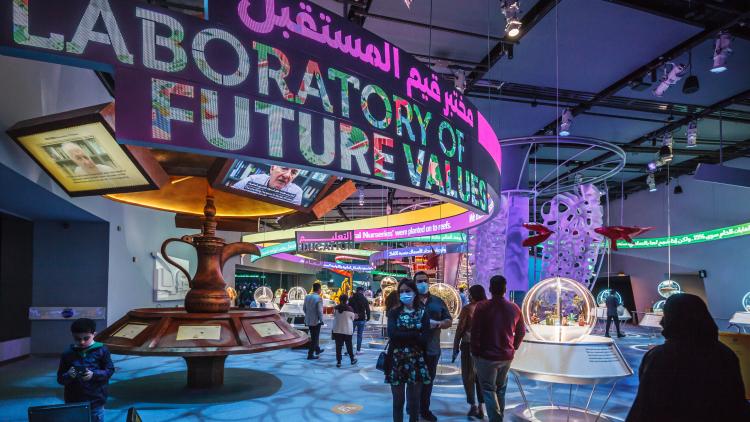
x=692, y=376
x=361, y=308
x=612, y=315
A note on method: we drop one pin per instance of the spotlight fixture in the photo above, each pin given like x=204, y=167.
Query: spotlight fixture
x=361, y=194
x=722, y=50
x=459, y=81
x=667, y=139
x=673, y=72
x=678, y=190
x=579, y=179
x=565, y=120
x=692, y=134
x=665, y=154
x=651, y=181
x=691, y=84
x=652, y=166
x=511, y=10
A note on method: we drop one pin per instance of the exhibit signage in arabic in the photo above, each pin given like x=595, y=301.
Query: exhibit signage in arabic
x=276, y=81
x=687, y=239
x=321, y=240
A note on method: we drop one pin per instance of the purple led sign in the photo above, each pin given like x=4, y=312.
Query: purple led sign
x=458, y=222
x=272, y=81
x=362, y=268
x=417, y=251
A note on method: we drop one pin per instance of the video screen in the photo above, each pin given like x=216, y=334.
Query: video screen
x=84, y=159
x=284, y=185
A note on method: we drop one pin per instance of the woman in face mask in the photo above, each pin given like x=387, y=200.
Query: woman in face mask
x=408, y=332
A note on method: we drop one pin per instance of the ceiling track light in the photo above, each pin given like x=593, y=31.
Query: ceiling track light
x=361, y=194
x=691, y=84
x=565, y=120
x=722, y=51
x=673, y=72
x=678, y=190
x=692, y=134
x=511, y=10
x=460, y=80
x=651, y=181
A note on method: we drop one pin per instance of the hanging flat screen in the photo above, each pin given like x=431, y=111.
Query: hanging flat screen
x=278, y=184
x=79, y=151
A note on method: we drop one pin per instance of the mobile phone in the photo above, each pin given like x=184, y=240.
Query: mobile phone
x=80, y=370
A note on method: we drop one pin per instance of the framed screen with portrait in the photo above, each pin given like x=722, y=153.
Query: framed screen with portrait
x=79, y=151
x=287, y=186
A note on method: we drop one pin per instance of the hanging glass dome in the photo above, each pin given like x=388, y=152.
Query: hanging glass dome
x=296, y=294
x=263, y=294
x=746, y=302
x=559, y=310
x=668, y=287
x=601, y=298
x=659, y=306
x=450, y=296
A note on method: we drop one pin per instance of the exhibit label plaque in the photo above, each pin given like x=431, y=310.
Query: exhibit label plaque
x=130, y=331
x=274, y=81
x=651, y=320
x=267, y=329
x=199, y=332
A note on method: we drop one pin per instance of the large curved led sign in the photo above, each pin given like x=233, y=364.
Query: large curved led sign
x=273, y=81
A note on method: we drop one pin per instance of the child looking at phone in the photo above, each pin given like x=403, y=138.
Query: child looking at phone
x=85, y=369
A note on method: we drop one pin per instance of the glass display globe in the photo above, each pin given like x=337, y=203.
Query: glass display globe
x=667, y=288
x=658, y=307
x=388, y=281
x=263, y=294
x=746, y=302
x=559, y=310
x=601, y=298
x=296, y=294
x=450, y=296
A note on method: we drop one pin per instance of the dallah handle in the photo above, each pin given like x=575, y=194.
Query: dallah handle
x=184, y=239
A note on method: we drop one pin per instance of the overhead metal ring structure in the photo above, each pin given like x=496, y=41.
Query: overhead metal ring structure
x=569, y=149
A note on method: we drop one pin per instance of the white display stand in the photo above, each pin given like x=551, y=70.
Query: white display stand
x=293, y=310
x=741, y=320
x=593, y=360
x=651, y=320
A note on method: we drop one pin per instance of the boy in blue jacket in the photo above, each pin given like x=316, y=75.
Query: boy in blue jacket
x=85, y=369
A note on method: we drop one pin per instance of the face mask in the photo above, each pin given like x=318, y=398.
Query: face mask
x=406, y=298
x=423, y=287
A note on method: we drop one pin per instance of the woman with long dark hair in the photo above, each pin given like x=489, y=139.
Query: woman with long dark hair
x=408, y=332
x=692, y=376
x=462, y=343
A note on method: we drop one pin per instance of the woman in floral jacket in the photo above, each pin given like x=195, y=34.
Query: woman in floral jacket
x=408, y=332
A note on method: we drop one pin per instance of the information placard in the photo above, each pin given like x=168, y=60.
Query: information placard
x=199, y=332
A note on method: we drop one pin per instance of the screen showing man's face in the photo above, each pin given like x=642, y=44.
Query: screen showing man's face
x=281, y=176
x=80, y=157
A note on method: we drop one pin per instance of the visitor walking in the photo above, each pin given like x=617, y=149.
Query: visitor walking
x=439, y=318
x=462, y=344
x=343, y=319
x=692, y=376
x=361, y=308
x=496, y=333
x=313, y=309
x=463, y=296
x=612, y=314
x=405, y=367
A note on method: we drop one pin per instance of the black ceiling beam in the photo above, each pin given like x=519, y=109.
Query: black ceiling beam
x=358, y=10
x=342, y=213
x=653, y=65
x=735, y=150
x=546, y=96
x=529, y=20
x=668, y=128
x=702, y=14
x=432, y=27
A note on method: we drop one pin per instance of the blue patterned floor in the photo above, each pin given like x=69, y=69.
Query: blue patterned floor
x=281, y=386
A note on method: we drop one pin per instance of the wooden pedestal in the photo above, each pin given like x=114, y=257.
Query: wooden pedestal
x=205, y=371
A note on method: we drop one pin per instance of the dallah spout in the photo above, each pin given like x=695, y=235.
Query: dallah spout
x=237, y=248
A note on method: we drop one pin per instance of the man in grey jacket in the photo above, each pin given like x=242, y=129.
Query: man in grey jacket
x=313, y=309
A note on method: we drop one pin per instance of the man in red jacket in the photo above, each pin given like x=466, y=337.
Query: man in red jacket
x=496, y=333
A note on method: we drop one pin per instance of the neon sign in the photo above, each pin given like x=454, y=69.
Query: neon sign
x=273, y=81
x=687, y=239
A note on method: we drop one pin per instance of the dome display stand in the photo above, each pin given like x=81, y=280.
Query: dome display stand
x=206, y=331
x=560, y=314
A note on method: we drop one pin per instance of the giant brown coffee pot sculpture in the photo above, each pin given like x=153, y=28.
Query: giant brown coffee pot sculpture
x=207, y=330
x=207, y=292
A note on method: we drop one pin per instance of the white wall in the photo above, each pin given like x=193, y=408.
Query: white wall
x=31, y=89
x=702, y=206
